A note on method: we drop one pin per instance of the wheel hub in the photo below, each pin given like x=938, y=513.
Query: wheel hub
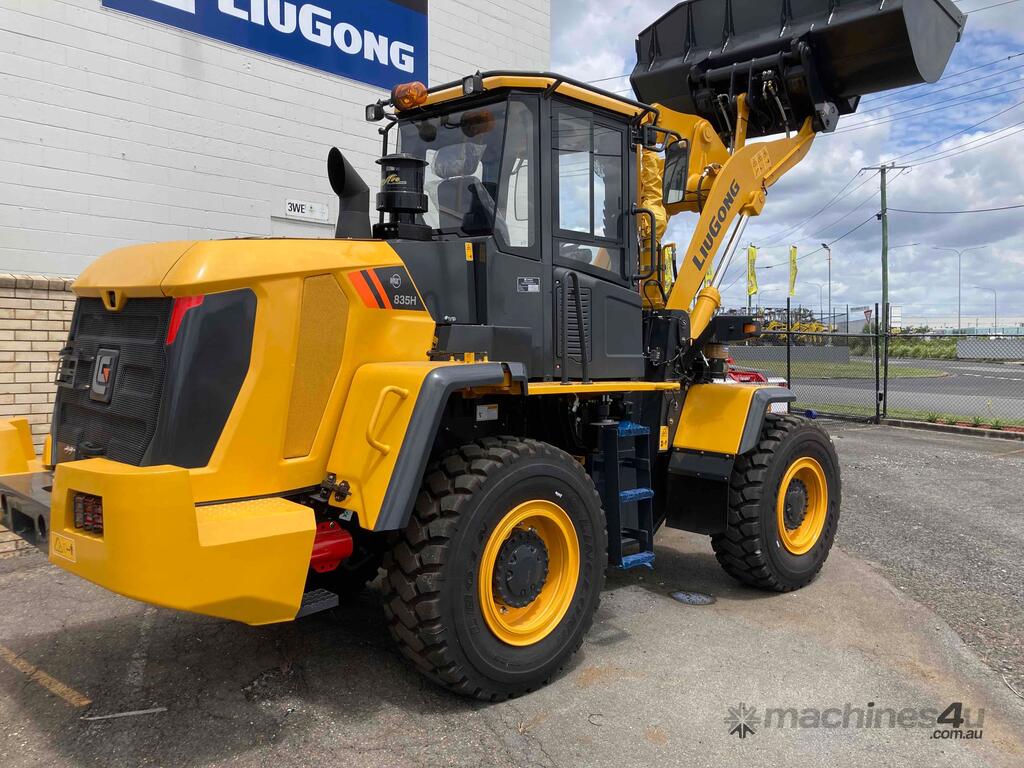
x=521, y=568
x=795, y=504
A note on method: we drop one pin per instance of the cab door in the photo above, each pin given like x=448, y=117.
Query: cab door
x=592, y=236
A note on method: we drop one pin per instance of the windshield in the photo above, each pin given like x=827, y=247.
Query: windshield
x=479, y=175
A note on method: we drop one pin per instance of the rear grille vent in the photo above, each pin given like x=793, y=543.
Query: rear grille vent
x=122, y=429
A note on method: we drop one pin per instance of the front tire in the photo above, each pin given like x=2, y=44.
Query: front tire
x=784, y=499
x=494, y=583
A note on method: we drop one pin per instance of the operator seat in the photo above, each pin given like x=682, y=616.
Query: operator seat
x=463, y=201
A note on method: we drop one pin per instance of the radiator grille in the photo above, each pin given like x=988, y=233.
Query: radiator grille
x=121, y=430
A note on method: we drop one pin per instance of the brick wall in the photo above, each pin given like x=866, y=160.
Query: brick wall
x=35, y=313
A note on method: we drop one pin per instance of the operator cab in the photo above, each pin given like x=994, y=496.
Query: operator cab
x=525, y=191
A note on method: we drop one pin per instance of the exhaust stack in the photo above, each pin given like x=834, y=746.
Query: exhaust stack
x=353, y=197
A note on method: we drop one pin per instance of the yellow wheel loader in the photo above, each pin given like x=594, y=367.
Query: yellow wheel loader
x=494, y=392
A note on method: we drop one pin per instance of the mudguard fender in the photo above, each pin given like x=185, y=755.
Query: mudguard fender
x=388, y=428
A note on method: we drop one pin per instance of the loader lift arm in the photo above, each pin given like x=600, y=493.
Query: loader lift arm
x=738, y=189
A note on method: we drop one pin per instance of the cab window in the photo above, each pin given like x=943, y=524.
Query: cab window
x=589, y=165
x=463, y=151
x=520, y=175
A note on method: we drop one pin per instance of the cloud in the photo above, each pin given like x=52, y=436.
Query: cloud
x=983, y=167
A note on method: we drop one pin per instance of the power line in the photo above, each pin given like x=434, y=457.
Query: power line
x=781, y=234
x=934, y=91
x=606, y=79
x=807, y=255
x=994, y=5
x=918, y=111
x=965, y=147
x=864, y=202
x=974, y=210
x=962, y=130
x=849, y=213
x=830, y=226
x=900, y=91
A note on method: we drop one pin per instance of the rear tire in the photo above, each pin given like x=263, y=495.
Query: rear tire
x=491, y=502
x=768, y=543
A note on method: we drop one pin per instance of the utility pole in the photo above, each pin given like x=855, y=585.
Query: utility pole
x=883, y=216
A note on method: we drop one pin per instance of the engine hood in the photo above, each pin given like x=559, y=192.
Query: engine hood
x=201, y=267
x=133, y=272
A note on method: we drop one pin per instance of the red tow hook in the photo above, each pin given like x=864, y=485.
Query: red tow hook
x=331, y=545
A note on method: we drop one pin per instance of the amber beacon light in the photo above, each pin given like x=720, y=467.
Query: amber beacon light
x=409, y=95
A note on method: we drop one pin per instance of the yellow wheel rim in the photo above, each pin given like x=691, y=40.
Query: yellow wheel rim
x=532, y=623
x=806, y=479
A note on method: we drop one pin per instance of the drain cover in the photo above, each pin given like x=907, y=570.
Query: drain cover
x=692, y=598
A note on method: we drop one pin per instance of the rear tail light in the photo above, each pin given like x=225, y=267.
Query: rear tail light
x=181, y=307
x=88, y=513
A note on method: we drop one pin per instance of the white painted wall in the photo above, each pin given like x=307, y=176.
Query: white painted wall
x=115, y=130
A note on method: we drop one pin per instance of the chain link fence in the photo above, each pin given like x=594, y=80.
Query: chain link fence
x=967, y=380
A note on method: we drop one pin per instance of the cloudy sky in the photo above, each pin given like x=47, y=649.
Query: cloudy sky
x=982, y=166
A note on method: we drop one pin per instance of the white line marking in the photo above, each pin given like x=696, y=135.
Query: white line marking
x=996, y=378
x=133, y=713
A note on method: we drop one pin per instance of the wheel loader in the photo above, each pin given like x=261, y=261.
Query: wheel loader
x=495, y=391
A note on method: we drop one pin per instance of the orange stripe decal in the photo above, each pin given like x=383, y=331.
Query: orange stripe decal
x=380, y=288
x=358, y=280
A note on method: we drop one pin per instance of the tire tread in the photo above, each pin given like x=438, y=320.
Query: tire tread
x=740, y=549
x=414, y=566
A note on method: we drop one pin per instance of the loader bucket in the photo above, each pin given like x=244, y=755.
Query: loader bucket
x=793, y=58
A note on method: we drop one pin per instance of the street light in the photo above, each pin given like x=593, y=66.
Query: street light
x=828, y=250
x=820, y=287
x=959, y=282
x=995, y=306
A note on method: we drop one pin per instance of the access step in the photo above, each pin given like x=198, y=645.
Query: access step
x=315, y=601
x=635, y=494
x=638, y=560
x=632, y=429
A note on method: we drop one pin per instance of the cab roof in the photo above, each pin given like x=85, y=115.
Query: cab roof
x=538, y=81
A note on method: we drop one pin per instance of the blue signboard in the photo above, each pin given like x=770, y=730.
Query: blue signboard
x=379, y=42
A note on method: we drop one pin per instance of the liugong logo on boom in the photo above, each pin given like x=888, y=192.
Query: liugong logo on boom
x=715, y=227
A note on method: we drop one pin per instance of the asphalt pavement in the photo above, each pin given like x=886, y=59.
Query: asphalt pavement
x=930, y=542
x=965, y=389
x=941, y=517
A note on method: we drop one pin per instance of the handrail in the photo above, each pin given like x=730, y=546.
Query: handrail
x=580, y=328
x=371, y=425
x=655, y=252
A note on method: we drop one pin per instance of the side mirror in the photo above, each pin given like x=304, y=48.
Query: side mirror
x=677, y=172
